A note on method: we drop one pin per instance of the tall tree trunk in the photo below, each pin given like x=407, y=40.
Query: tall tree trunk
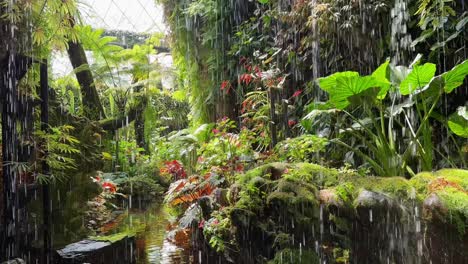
x=139, y=123
x=90, y=97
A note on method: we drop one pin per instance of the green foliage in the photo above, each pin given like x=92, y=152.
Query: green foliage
x=419, y=77
x=441, y=22
x=57, y=148
x=458, y=122
x=349, y=93
x=290, y=256
x=301, y=149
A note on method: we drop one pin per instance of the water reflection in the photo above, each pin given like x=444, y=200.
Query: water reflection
x=152, y=244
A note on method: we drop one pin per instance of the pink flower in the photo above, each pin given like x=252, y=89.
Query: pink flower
x=215, y=131
x=201, y=224
x=215, y=222
x=297, y=93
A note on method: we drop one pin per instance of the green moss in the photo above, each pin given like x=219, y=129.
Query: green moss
x=266, y=171
x=346, y=192
x=341, y=223
x=115, y=237
x=313, y=173
x=341, y=255
x=455, y=175
x=295, y=256
x=396, y=187
x=283, y=240
x=456, y=202
x=420, y=183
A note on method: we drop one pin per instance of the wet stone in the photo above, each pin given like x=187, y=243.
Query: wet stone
x=434, y=209
x=371, y=204
x=14, y=261
x=97, y=252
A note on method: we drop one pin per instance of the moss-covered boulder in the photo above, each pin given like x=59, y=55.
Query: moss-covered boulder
x=276, y=209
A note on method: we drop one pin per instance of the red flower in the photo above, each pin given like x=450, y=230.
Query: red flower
x=96, y=179
x=226, y=85
x=292, y=122
x=215, y=131
x=201, y=224
x=257, y=70
x=109, y=186
x=246, y=78
x=297, y=93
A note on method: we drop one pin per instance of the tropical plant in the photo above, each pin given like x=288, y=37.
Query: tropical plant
x=305, y=148
x=56, y=148
x=375, y=120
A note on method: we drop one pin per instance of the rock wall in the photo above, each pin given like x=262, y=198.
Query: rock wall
x=285, y=213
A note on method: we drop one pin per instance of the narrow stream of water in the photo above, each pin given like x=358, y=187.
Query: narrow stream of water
x=152, y=243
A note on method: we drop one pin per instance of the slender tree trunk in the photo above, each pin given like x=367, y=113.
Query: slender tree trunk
x=139, y=123
x=90, y=97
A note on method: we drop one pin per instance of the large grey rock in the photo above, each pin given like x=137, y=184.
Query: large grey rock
x=82, y=248
x=98, y=252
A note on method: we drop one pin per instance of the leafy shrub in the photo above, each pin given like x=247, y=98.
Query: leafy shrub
x=301, y=148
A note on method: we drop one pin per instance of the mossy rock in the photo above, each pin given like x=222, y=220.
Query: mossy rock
x=317, y=174
x=455, y=175
x=269, y=171
x=295, y=256
x=420, y=183
x=271, y=197
x=396, y=187
x=448, y=206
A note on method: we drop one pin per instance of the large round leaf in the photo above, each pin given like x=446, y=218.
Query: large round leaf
x=455, y=76
x=347, y=87
x=419, y=77
x=458, y=122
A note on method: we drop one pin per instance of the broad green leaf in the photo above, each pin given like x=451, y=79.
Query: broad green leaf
x=381, y=77
x=455, y=76
x=329, y=83
x=419, y=77
x=263, y=1
x=347, y=87
x=458, y=122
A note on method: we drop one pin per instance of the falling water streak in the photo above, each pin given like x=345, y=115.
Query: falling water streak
x=400, y=37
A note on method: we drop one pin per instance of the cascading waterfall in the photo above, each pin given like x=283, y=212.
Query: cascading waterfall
x=400, y=37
